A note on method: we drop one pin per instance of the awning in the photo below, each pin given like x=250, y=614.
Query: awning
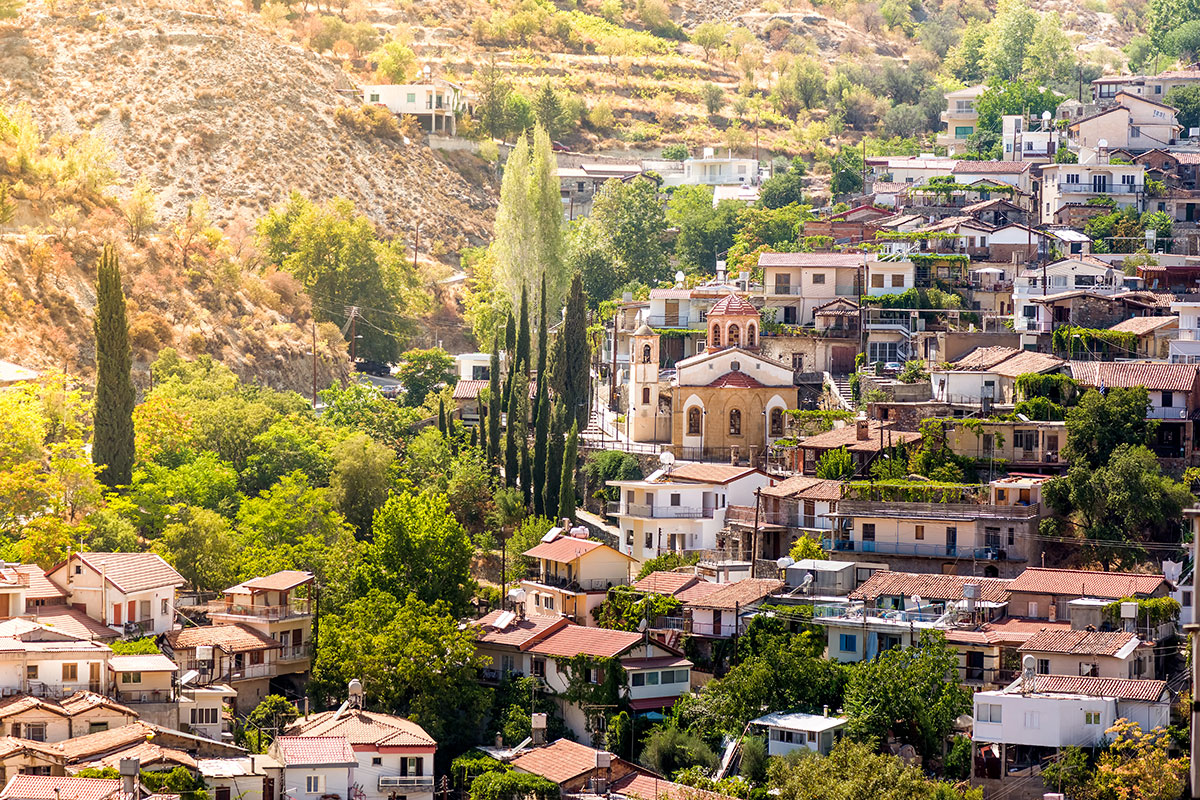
x=652, y=703
x=988, y=271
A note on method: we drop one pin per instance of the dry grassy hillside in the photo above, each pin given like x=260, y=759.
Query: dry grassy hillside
x=203, y=105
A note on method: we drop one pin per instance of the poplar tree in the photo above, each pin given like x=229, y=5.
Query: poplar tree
x=112, y=446
x=546, y=201
x=554, y=457
x=522, y=361
x=575, y=355
x=566, y=498
x=493, y=416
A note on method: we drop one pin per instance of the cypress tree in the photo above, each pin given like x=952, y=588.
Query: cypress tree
x=522, y=362
x=512, y=465
x=474, y=436
x=442, y=417
x=112, y=446
x=493, y=409
x=542, y=377
x=575, y=355
x=510, y=345
x=541, y=435
x=566, y=499
x=554, y=457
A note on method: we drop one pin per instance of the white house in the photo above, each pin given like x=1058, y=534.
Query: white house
x=436, y=103
x=799, y=731
x=796, y=283
x=681, y=508
x=129, y=592
x=1186, y=348
x=253, y=777
x=572, y=575
x=989, y=373
x=1025, y=140
x=1034, y=286
x=315, y=766
x=1094, y=176
x=715, y=170
x=37, y=660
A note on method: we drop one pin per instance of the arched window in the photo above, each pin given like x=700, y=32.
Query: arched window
x=716, y=336
x=735, y=337
x=694, y=421
x=645, y=395
x=750, y=332
x=735, y=422
x=777, y=421
x=645, y=354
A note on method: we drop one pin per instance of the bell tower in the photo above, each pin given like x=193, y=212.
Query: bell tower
x=642, y=413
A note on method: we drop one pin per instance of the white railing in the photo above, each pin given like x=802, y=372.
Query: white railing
x=405, y=782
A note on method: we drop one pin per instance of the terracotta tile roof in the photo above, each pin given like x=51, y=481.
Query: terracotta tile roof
x=741, y=594
x=73, y=622
x=563, y=549
x=1083, y=643
x=930, y=587
x=990, y=167
x=558, y=762
x=950, y=223
x=1016, y=630
x=147, y=754
x=735, y=380
x=802, y=487
x=132, y=572
x=315, y=750
x=82, y=702
x=1157, y=377
x=518, y=634
x=1186, y=158
x=984, y=358
x=149, y=662
x=984, y=205
x=647, y=787
x=668, y=583
x=95, y=745
x=363, y=728
x=47, y=787
x=1143, y=325
x=468, y=390
x=40, y=588
x=11, y=745
x=697, y=593
x=237, y=638
x=574, y=640
x=1085, y=583
x=1027, y=361
x=281, y=581
x=13, y=706
x=810, y=259
x=732, y=305
x=671, y=294
x=706, y=473
x=847, y=437
x=1120, y=688
x=78, y=703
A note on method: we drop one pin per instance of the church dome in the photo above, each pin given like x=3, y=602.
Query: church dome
x=732, y=306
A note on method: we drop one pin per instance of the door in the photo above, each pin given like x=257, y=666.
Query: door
x=672, y=314
x=222, y=793
x=132, y=611
x=268, y=789
x=116, y=614
x=843, y=360
x=94, y=677
x=974, y=666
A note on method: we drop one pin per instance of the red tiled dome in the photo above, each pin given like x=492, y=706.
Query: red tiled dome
x=733, y=306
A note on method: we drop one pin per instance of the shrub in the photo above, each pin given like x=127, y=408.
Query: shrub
x=370, y=121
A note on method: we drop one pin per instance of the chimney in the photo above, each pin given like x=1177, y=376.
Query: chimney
x=825, y=711
x=538, y=724
x=129, y=768
x=862, y=429
x=1052, y=612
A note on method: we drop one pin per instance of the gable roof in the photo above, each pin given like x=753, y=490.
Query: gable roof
x=518, y=633
x=558, y=762
x=48, y=787
x=78, y=703
x=468, y=389
x=847, y=436
x=1140, y=326
x=238, y=638
x=650, y=787
x=709, y=473
x=72, y=621
x=810, y=259
x=1154, y=376
x=281, y=581
x=573, y=640
x=803, y=487
x=930, y=586
x=668, y=583
x=1083, y=643
x=123, y=737
x=1085, y=583
x=1120, y=688
x=740, y=594
x=39, y=587
x=325, y=751
x=363, y=728
x=566, y=548
x=736, y=379
x=1027, y=361
x=984, y=358
x=128, y=572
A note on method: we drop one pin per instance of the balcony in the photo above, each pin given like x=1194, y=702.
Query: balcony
x=1031, y=325
x=225, y=608
x=676, y=321
x=1172, y=412
x=1107, y=188
x=575, y=584
x=622, y=509
x=417, y=783
x=918, y=549
x=295, y=652
x=252, y=671
x=147, y=696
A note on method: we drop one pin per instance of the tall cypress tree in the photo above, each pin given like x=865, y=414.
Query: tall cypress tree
x=112, y=446
x=554, y=457
x=523, y=334
x=566, y=498
x=512, y=465
x=475, y=436
x=442, y=416
x=493, y=418
x=541, y=436
x=542, y=377
x=510, y=346
x=575, y=354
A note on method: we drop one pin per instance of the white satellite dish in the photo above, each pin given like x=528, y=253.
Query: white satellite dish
x=785, y=562
x=679, y=276
x=666, y=458
x=643, y=625
x=1103, y=143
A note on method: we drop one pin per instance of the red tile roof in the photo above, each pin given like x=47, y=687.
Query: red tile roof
x=671, y=294
x=47, y=787
x=40, y=588
x=315, y=750
x=1144, y=325
x=148, y=753
x=281, y=581
x=1100, y=643
x=669, y=583
x=732, y=305
x=558, y=762
x=363, y=728
x=648, y=787
x=468, y=390
x=735, y=380
x=563, y=549
x=574, y=640
x=520, y=632
x=1026, y=362
x=707, y=473
x=984, y=358
x=129, y=572
x=810, y=259
x=1120, y=688
x=74, y=623
x=740, y=594
x=237, y=638
x=1085, y=583
x=990, y=167
x=802, y=487
x=847, y=437
x=1157, y=377
x=1016, y=630
x=930, y=586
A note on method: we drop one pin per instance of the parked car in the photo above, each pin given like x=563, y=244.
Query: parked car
x=376, y=368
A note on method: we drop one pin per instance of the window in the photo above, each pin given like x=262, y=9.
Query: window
x=205, y=716
x=897, y=280
x=777, y=421
x=374, y=98
x=963, y=131
x=1128, y=180
x=646, y=350
x=70, y=672
x=750, y=333
x=1012, y=538
x=131, y=677
x=549, y=602
x=97, y=727
x=715, y=338
x=1032, y=609
x=1024, y=440
x=876, y=281
x=412, y=97
x=1033, y=719
x=693, y=421
x=166, y=606
x=1043, y=666
x=733, y=336
x=848, y=643
x=649, y=539
x=78, y=570
x=919, y=532
x=35, y=731
x=988, y=712
x=812, y=736
x=312, y=784
x=1168, y=399
x=256, y=657
x=1091, y=718
x=783, y=284
x=639, y=679
x=31, y=672
x=818, y=278
x=376, y=761
x=735, y=422
x=539, y=667
x=1134, y=133
x=675, y=498
x=645, y=395
x=868, y=532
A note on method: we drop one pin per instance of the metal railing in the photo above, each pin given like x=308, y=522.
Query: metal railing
x=148, y=696
x=1172, y=412
x=406, y=782
x=676, y=321
x=297, y=608
x=575, y=584
x=624, y=509
x=1106, y=188
x=294, y=652
x=862, y=508
x=914, y=549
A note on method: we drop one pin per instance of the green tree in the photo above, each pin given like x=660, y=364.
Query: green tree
x=709, y=36
x=541, y=441
x=1099, y=423
x=1050, y=57
x=1186, y=99
x=713, y=97
x=703, y=231
x=1165, y=16
x=589, y=257
x=566, y=498
x=423, y=371
x=420, y=549
x=200, y=545
x=632, y=221
x=835, y=464
x=394, y=61
x=573, y=369
x=967, y=61
x=492, y=87
x=785, y=188
x=801, y=86
x=911, y=692
x=493, y=405
x=513, y=425
x=359, y=480
x=548, y=109
x=805, y=548
x=669, y=749
x=267, y=720
x=858, y=770
x=1013, y=97
x=113, y=441
x=554, y=456
x=602, y=466
x=522, y=361
x=846, y=168
x=1009, y=37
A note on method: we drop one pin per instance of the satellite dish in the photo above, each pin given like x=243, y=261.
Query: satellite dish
x=1046, y=116
x=666, y=458
x=784, y=562
x=643, y=625
x=1102, y=143
x=679, y=276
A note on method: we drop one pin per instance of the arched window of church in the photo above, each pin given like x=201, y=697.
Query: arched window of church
x=694, y=421
x=645, y=395
x=716, y=336
x=777, y=421
x=735, y=422
x=750, y=333
x=735, y=336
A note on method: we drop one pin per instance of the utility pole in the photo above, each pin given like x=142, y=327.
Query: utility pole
x=1193, y=631
x=416, y=244
x=353, y=334
x=314, y=354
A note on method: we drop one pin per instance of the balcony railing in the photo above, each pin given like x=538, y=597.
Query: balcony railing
x=1173, y=412
x=294, y=652
x=419, y=782
x=575, y=584
x=787, y=517
x=296, y=608
x=862, y=508
x=147, y=696
x=914, y=549
x=675, y=321
x=623, y=509
x=1108, y=188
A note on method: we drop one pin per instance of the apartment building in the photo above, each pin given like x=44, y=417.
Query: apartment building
x=572, y=575
x=1133, y=124
x=279, y=606
x=960, y=117
x=1094, y=176
x=795, y=284
x=1034, y=287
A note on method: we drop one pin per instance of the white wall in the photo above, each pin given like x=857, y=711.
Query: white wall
x=1043, y=721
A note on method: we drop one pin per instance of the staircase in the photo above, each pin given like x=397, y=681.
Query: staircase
x=841, y=390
